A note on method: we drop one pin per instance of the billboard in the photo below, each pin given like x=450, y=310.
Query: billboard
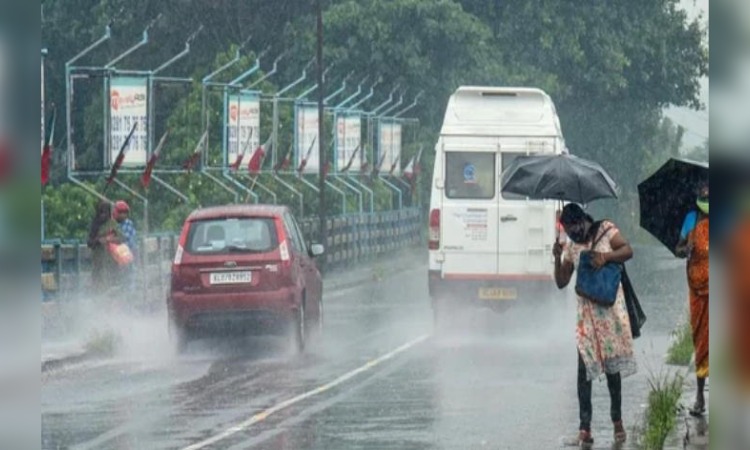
x=128, y=104
x=389, y=146
x=348, y=139
x=306, y=142
x=242, y=122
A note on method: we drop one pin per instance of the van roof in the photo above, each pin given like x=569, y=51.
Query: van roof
x=237, y=210
x=500, y=111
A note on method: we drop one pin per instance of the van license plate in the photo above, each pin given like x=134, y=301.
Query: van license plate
x=231, y=277
x=497, y=294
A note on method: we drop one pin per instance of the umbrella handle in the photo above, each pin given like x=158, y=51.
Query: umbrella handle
x=557, y=223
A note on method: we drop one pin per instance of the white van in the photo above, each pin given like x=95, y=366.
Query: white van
x=485, y=247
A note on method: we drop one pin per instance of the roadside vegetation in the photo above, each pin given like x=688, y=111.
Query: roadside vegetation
x=102, y=343
x=661, y=412
x=681, y=351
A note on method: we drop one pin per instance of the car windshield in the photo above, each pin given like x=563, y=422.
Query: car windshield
x=232, y=235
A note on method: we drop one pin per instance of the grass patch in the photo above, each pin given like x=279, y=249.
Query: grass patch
x=102, y=343
x=681, y=351
x=661, y=413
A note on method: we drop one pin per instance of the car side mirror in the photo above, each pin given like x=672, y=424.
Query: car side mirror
x=317, y=250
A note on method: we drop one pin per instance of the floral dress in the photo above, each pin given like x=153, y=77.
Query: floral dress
x=603, y=334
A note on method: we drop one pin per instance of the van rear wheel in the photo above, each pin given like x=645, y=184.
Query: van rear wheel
x=439, y=319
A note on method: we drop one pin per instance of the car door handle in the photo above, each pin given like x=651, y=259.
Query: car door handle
x=508, y=218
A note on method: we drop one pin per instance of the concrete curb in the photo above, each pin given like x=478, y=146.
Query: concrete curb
x=368, y=275
x=691, y=431
x=53, y=364
x=360, y=281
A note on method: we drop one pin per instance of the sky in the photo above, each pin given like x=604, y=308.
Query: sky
x=694, y=122
x=729, y=118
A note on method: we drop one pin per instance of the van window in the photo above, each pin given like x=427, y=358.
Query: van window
x=470, y=175
x=231, y=235
x=507, y=160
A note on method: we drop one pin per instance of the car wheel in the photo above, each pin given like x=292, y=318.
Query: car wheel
x=321, y=318
x=298, y=331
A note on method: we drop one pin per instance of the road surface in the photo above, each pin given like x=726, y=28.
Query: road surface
x=378, y=379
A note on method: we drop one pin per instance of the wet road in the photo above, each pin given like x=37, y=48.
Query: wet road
x=378, y=379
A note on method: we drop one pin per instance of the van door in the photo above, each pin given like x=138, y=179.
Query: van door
x=524, y=230
x=469, y=213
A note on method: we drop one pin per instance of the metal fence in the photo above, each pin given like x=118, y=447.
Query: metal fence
x=66, y=265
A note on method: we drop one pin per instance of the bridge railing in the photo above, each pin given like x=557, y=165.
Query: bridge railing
x=66, y=264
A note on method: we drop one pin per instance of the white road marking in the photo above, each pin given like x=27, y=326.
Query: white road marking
x=261, y=416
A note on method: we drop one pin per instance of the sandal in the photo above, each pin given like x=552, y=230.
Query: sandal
x=698, y=409
x=582, y=440
x=620, y=435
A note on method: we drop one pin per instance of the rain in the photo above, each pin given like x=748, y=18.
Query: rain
x=355, y=225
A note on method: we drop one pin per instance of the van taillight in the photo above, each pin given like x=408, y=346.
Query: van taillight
x=434, y=238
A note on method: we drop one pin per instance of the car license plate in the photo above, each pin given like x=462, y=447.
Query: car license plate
x=231, y=277
x=497, y=293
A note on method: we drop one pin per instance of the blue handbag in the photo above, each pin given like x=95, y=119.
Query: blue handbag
x=598, y=285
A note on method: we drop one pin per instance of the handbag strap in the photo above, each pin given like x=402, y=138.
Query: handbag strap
x=604, y=233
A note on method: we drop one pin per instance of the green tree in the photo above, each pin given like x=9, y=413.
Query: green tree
x=699, y=153
x=611, y=67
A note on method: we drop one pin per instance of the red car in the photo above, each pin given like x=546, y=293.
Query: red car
x=244, y=268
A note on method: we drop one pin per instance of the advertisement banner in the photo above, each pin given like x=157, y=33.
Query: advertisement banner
x=243, y=124
x=128, y=104
x=306, y=137
x=389, y=148
x=348, y=140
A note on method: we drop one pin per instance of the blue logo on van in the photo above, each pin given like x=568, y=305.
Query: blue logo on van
x=470, y=173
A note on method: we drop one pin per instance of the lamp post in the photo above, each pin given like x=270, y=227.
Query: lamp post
x=322, y=158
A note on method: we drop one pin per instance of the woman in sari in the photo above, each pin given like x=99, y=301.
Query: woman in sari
x=104, y=230
x=603, y=336
x=693, y=245
x=737, y=266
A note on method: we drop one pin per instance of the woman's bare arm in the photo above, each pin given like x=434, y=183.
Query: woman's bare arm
x=563, y=269
x=621, y=250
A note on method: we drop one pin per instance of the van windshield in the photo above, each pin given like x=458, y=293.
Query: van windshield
x=231, y=235
x=470, y=175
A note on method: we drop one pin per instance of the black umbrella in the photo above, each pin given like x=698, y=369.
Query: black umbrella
x=667, y=196
x=558, y=177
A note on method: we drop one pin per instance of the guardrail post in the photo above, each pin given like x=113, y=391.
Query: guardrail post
x=78, y=266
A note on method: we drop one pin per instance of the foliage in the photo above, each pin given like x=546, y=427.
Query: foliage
x=681, y=351
x=661, y=412
x=699, y=153
x=68, y=211
x=611, y=67
x=102, y=343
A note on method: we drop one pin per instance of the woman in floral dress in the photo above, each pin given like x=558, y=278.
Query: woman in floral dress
x=603, y=335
